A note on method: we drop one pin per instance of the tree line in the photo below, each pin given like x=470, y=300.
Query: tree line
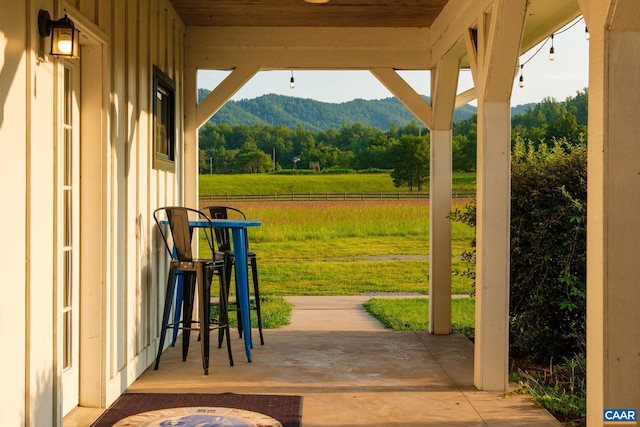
x=258, y=148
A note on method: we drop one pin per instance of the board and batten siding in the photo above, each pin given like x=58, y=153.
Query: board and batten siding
x=15, y=164
x=142, y=34
x=123, y=265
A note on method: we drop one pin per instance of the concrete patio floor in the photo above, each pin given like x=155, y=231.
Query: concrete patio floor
x=350, y=372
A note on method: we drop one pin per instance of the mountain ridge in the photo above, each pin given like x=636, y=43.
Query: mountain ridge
x=274, y=110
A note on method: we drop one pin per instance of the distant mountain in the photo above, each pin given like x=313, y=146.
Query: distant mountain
x=318, y=116
x=521, y=109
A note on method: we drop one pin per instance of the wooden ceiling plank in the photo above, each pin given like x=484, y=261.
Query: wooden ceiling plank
x=281, y=13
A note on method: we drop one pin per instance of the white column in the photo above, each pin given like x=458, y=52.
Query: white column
x=190, y=138
x=491, y=361
x=440, y=233
x=444, y=84
x=494, y=59
x=613, y=209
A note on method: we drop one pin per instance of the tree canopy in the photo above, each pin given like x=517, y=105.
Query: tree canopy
x=259, y=147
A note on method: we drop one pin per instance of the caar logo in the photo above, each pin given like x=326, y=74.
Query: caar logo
x=620, y=416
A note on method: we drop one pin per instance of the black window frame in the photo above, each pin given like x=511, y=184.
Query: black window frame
x=164, y=119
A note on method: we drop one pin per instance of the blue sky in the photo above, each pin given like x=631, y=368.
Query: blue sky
x=559, y=79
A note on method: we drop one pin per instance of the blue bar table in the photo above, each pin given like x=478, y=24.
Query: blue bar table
x=240, y=241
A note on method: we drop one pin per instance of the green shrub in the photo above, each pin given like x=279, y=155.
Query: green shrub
x=374, y=170
x=548, y=250
x=294, y=172
x=337, y=170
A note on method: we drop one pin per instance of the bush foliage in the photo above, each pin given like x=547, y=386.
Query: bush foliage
x=548, y=249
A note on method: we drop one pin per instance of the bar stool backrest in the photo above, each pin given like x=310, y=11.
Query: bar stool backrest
x=178, y=219
x=222, y=234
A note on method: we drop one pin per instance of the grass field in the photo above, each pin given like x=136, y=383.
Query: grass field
x=347, y=248
x=314, y=183
x=408, y=314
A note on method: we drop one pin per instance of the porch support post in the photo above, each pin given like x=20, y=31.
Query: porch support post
x=613, y=206
x=491, y=349
x=190, y=151
x=444, y=85
x=494, y=50
x=440, y=233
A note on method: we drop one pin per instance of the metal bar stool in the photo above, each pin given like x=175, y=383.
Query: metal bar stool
x=198, y=273
x=224, y=244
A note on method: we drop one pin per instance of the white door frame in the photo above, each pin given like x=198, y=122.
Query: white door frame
x=67, y=223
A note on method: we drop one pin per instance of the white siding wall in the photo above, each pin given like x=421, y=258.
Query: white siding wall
x=141, y=34
x=13, y=247
x=120, y=283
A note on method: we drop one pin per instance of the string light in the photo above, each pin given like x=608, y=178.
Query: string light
x=292, y=82
x=552, y=51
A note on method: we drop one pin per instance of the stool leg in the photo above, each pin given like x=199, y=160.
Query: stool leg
x=203, y=282
x=256, y=294
x=187, y=311
x=223, y=319
x=222, y=283
x=165, y=315
x=225, y=284
x=179, y=291
x=232, y=263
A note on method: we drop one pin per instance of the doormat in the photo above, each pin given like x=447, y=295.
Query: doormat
x=191, y=409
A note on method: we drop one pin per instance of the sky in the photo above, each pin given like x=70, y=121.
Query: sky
x=559, y=79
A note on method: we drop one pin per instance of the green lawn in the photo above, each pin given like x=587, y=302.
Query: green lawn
x=315, y=183
x=411, y=314
x=347, y=247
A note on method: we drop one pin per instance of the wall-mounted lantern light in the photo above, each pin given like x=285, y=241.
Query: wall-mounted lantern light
x=65, y=37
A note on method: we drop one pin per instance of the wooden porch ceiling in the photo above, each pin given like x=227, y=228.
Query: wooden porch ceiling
x=248, y=36
x=544, y=17
x=299, y=13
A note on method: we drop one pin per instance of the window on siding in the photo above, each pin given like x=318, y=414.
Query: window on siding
x=164, y=117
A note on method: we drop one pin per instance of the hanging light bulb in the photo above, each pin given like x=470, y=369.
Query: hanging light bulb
x=521, y=79
x=552, y=51
x=587, y=36
x=292, y=83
